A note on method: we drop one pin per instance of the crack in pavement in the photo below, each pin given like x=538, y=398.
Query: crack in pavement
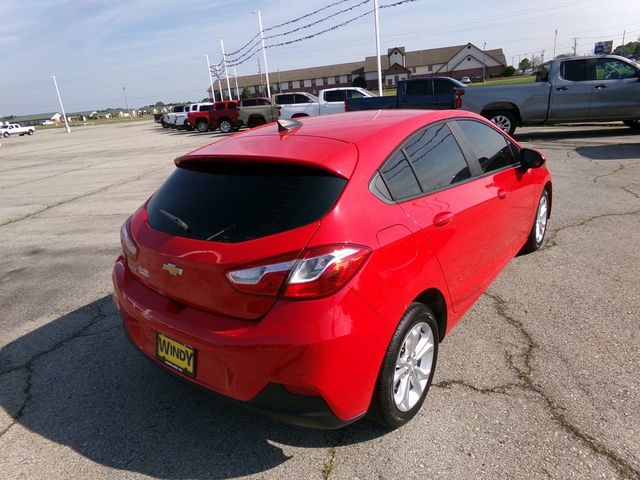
x=551, y=240
x=84, y=195
x=625, y=188
x=28, y=366
x=339, y=440
x=525, y=375
x=619, y=169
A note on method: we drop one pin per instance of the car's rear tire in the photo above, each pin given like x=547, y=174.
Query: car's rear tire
x=164, y=124
x=6, y=134
x=225, y=125
x=187, y=126
x=30, y=132
x=407, y=369
x=504, y=119
x=202, y=126
x=539, y=228
x=633, y=124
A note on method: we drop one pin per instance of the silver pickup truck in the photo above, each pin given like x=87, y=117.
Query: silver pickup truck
x=567, y=90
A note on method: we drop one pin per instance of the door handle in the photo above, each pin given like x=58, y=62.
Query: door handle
x=502, y=194
x=600, y=87
x=442, y=218
x=562, y=88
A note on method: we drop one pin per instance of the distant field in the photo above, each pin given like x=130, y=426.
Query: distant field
x=96, y=122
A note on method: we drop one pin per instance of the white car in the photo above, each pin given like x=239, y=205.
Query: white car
x=15, y=129
x=465, y=80
x=328, y=101
x=48, y=122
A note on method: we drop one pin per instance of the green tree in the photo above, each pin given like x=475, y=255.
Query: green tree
x=359, y=81
x=524, y=65
x=509, y=71
x=245, y=93
x=631, y=49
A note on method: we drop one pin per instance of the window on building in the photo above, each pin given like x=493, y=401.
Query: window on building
x=413, y=69
x=290, y=85
x=337, y=79
x=349, y=78
x=430, y=68
x=325, y=81
x=313, y=82
x=390, y=82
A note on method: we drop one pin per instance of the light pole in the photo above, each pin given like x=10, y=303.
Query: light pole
x=279, y=83
x=484, y=60
x=377, y=23
x=264, y=52
x=124, y=90
x=235, y=76
x=64, y=115
x=226, y=73
x=213, y=94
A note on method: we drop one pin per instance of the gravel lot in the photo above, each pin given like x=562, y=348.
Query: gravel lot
x=539, y=380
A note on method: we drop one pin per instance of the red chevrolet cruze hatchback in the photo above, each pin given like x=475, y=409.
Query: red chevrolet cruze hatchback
x=310, y=269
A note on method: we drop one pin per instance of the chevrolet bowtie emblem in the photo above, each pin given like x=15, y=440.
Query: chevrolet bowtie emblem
x=173, y=270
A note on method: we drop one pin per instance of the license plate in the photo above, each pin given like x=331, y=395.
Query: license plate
x=177, y=355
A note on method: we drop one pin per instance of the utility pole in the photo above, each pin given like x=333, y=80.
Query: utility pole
x=213, y=94
x=624, y=32
x=377, y=24
x=124, y=90
x=220, y=88
x=555, y=41
x=260, y=73
x=484, y=60
x=542, y=57
x=226, y=73
x=235, y=76
x=575, y=46
x=64, y=115
x=264, y=52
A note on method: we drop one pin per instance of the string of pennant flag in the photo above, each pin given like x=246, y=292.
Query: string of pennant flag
x=253, y=46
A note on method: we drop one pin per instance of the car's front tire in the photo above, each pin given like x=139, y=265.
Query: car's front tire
x=539, y=228
x=225, y=126
x=407, y=369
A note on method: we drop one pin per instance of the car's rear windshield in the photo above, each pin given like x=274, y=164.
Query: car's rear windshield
x=235, y=202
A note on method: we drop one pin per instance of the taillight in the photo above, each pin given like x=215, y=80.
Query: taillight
x=128, y=245
x=458, y=99
x=279, y=111
x=320, y=272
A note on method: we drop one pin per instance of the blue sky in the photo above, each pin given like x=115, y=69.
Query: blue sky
x=156, y=47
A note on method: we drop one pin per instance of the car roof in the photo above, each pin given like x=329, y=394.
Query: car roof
x=327, y=142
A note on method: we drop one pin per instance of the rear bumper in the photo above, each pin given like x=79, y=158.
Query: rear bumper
x=295, y=365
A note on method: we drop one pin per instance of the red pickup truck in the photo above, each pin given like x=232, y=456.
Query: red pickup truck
x=222, y=116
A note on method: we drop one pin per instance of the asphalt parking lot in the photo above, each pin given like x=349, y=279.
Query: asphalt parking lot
x=540, y=379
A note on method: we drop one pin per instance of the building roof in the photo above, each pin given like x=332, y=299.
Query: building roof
x=432, y=56
x=299, y=74
x=34, y=117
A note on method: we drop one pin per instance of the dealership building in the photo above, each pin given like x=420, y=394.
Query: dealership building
x=398, y=64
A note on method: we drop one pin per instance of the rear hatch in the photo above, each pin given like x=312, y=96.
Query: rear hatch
x=210, y=217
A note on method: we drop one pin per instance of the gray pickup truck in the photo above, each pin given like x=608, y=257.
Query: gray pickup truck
x=567, y=90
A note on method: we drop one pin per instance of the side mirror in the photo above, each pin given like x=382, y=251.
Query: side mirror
x=530, y=158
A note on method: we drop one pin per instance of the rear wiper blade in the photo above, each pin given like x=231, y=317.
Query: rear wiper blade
x=178, y=221
x=221, y=232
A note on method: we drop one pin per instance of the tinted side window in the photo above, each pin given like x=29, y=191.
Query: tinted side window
x=578, y=70
x=354, y=94
x=421, y=87
x=399, y=177
x=263, y=101
x=334, y=96
x=205, y=108
x=284, y=99
x=249, y=102
x=442, y=87
x=491, y=148
x=611, y=69
x=301, y=99
x=436, y=158
x=232, y=106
